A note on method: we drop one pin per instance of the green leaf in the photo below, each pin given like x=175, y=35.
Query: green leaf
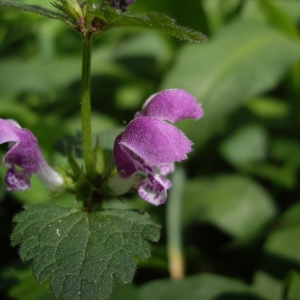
x=235, y=204
x=285, y=163
x=155, y=21
x=236, y=65
x=36, y=9
x=285, y=175
x=122, y=292
x=281, y=254
x=293, y=290
x=61, y=71
x=252, y=9
x=268, y=107
x=286, y=149
x=246, y=145
x=278, y=18
x=204, y=287
x=282, y=22
x=83, y=253
x=19, y=284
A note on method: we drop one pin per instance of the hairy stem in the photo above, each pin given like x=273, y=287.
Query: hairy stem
x=88, y=155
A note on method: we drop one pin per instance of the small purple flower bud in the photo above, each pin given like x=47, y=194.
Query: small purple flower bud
x=151, y=146
x=121, y=4
x=24, y=152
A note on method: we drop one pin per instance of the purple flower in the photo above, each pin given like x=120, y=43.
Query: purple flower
x=121, y=4
x=151, y=145
x=23, y=151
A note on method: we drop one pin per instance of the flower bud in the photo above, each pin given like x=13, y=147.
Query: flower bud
x=72, y=9
x=121, y=4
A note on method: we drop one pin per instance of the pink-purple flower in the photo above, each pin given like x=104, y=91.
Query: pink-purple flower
x=23, y=151
x=151, y=146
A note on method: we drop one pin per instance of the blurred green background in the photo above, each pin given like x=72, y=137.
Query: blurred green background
x=240, y=214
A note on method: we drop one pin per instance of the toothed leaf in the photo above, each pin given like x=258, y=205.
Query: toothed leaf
x=82, y=253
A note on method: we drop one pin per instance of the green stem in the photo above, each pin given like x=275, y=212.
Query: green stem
x=88, y=154
x=174, y=230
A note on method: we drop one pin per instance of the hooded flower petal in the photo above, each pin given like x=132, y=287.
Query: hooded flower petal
x=171, y=105
x=149, y=143
x=23, y=151
x=155, y=141
x=124, y=162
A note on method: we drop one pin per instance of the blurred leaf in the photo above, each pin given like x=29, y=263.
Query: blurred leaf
x=245, y=59
x=82, y=253
x=235, y=204
x=154, y=21
x=36, y=194
x=147, y=44
x=19, y=284
x=286, y=150
x=146, y=53
x=37, y=75
x=107, y=138
x=284, y=176
x=42, y=76
x=267, y=286
x=281, y=254
x=267, y=107
x=122, y=292
x=99, y=122
x=204, y=287
x=293, y=288
x=130, y=96
x=290, y=8
x=35, y=9
x=246, y=145
x=280, y=20
x=217, y=11
x=283, y=170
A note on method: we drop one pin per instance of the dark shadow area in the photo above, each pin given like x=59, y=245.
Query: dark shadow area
x=235, y=296
x=213, y=251
x=144, y=66
x=277, y=266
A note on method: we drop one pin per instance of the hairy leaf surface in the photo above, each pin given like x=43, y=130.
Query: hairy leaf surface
x=154, y=21
x=83, y=253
